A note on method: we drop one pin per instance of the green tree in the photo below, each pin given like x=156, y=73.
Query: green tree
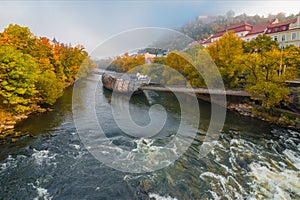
x=261, y=44
x=50, y=87
x=17, y=80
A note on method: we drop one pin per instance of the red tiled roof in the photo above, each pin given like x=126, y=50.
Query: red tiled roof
x=260, y=28
x=283, y=23
x=242, y=26
x=219, y=34
x=238, y=25
x=208, y=40
x=257, y=29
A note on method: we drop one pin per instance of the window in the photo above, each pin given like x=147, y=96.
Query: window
x=276, y=29
x=242, y=34
x=275, y=38
x=283, y=38
x=294, y=36
x=269, y=30
x=284, y=28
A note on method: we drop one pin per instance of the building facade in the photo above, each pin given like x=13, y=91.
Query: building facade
x=286, y=33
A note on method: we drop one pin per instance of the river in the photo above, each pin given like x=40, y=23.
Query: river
x=250, y=160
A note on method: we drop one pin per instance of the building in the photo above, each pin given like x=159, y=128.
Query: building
x=149, y=58
x=286, y=33
x=258, y=29
x=240, y=30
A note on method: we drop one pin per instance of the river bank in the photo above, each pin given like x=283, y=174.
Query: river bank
x=8, y=121
x=281, y=117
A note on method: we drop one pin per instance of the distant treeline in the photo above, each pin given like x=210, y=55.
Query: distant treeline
x=203, y=26
x=35, y=70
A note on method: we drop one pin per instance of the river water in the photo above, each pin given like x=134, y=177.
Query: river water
x=250, y=160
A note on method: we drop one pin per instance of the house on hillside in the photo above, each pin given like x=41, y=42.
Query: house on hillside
x=286, y=33
x=258, y=29
x=240, y=30
x=149, y=58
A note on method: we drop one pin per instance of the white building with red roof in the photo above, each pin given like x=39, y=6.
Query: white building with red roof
x=258, y=29
x=240, y=30
x=286, y=33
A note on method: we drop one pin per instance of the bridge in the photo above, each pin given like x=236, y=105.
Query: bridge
x=240, y=93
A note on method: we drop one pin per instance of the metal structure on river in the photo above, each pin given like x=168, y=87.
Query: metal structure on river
x=134, y=85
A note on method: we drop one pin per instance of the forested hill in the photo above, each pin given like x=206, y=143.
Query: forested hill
x=35, y=70
x=204, y=26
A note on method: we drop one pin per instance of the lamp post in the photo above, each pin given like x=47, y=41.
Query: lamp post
x=280, y=67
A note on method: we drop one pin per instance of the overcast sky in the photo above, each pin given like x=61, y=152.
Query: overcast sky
x=91, y=22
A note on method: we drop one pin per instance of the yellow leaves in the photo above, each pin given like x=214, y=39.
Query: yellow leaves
x=9, y=88
x=33, y=70
x=127, y=63
x=227, y=53
x=21, y=91
x=267, y=70
x=269, y=92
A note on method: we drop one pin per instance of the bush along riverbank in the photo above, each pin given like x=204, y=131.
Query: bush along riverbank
x=34, y=72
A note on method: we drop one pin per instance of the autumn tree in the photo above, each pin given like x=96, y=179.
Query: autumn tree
x=34, y=70
x=19, y=37
x=125, y=63
x=226, y=53
x=291, y=58
x=267, y=71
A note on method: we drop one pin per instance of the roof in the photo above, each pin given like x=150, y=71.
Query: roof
x=242, y=26
x=257, y=29
x=283, y=23
x=260, y=28
x=219, y=34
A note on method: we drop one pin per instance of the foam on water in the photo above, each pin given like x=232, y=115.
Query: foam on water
x=294, y=158
x=226, y=185
x=76, y=146
x=277, y=180
x=267, y=178
x=158, y=197
x=10, y=163
x=43, y=157
x=42, y=193
x=274, y=184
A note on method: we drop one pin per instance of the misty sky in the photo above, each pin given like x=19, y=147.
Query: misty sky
x=91, y=22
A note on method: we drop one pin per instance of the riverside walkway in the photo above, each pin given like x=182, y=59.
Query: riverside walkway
x=240, y=93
